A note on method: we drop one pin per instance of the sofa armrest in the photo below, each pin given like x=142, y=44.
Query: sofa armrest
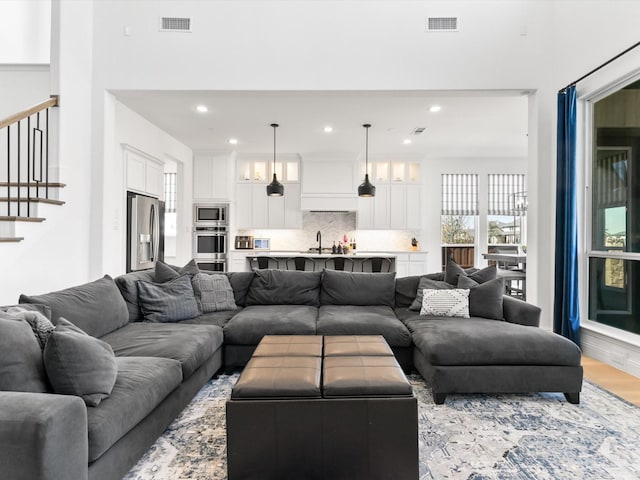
x=43, y=436
x=523, y=313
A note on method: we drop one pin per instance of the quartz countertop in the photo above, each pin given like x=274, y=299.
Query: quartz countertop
x=289, y=254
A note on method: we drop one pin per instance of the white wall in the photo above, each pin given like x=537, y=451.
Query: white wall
x=25, y=31
x=22, y=86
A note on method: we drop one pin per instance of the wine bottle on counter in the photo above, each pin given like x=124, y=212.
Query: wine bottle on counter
x=334, y=249
x=339, y=251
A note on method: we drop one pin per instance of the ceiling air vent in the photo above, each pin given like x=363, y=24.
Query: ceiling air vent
x=442, y=24
x=418, y=130
x=175, y=24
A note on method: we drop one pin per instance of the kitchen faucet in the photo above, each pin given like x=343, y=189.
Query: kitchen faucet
x=319, y=239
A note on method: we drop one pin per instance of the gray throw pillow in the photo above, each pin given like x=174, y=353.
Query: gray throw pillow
x=97, y=307
x=78, y=364
x=21, y=368
x=454, y=271
x=165, y=272
x=171, y=301
x=430, y=285
x=347, y=288
x=213, y=292
x=285, y=287
x=41, y=325
x=485, y=299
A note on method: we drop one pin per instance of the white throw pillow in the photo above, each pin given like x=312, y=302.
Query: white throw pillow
x=445, y=303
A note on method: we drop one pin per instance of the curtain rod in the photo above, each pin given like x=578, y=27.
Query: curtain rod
x=600, y=67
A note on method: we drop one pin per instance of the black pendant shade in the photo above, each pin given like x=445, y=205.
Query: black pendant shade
x=275, y=188
x=366, y=188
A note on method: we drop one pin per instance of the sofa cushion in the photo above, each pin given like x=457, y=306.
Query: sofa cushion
x=406, y=287
x=445, y=303
x=96, y=307
x=240, y=282
x=348, y=288
x=453, y=271
x=213, y=292
x=427, y=283
x=252, y=323
x=142, y=383
x=363, y=320
x=39, y=323
x=21, y=367
x=219, y=319
x=191, y=345
x=480, y=341
x=171, y=301
x=79, y=364
x=165, y=272
x=282, y=287
x=485, y=299
x=128, y=285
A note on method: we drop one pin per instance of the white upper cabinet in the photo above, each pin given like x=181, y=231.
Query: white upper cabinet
x=144, y=173
x=254, y=209
x=396, y=205
x=329, y=183
x=211, y=177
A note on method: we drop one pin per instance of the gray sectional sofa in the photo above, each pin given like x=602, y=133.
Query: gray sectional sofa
x=161, y=365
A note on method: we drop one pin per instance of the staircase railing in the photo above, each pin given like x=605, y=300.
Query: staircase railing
x=24, y=157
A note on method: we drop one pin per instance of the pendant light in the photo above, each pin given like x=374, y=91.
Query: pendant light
x=275, y=188
x=366, y=189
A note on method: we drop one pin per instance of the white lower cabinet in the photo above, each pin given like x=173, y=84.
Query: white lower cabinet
x=412, y=263
x=238, y=261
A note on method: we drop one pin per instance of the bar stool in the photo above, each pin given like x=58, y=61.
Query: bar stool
x=376, y=265
x=340, y=263
x=264, y=263
x=300, y=263
x=515, y=283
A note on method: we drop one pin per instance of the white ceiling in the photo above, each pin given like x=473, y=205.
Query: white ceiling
x=469, y=125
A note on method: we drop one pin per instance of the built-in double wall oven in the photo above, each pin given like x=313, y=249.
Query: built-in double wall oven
x=211, y=236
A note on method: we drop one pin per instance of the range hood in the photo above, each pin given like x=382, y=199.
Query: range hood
x=329, y=184
x=331, y=202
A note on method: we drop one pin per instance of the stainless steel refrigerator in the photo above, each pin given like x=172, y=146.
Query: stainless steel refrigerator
x=145, y=231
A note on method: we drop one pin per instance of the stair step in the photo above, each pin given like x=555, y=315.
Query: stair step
x=11, y=239
x=14, y=218
x=33, y=184
x=50, y=201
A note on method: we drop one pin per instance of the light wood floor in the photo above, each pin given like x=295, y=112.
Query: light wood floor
x=621, y=383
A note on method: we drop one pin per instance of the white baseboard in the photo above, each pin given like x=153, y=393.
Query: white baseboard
x=612, y=351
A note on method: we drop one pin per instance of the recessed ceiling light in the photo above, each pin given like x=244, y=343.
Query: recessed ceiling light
x=233, y=141
x=328, y=129
x=406, y=141
x=435, y=108
x=202, y=108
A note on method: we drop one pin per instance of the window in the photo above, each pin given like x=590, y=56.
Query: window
x=507, y=205
x=614, y=253
x=459, y=208
x=170, y=219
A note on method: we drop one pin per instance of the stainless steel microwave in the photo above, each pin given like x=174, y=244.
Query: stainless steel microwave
x=211, y=214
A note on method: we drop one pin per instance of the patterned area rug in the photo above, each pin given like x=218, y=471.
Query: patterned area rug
x=531, y=436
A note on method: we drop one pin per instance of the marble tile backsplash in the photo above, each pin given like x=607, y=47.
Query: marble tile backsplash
x=334, y=226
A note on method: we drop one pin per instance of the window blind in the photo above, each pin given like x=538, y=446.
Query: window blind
x=610, y=179
x=170, y=192
x=507, y=192
x=459, y=194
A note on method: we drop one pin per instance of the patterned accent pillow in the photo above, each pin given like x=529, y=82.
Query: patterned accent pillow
x=445, y=303
x=41, y=325
x=171, y=301
x=427, y=283
x=213, y=292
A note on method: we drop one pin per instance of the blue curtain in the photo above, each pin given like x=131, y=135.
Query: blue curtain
x=566, y=311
